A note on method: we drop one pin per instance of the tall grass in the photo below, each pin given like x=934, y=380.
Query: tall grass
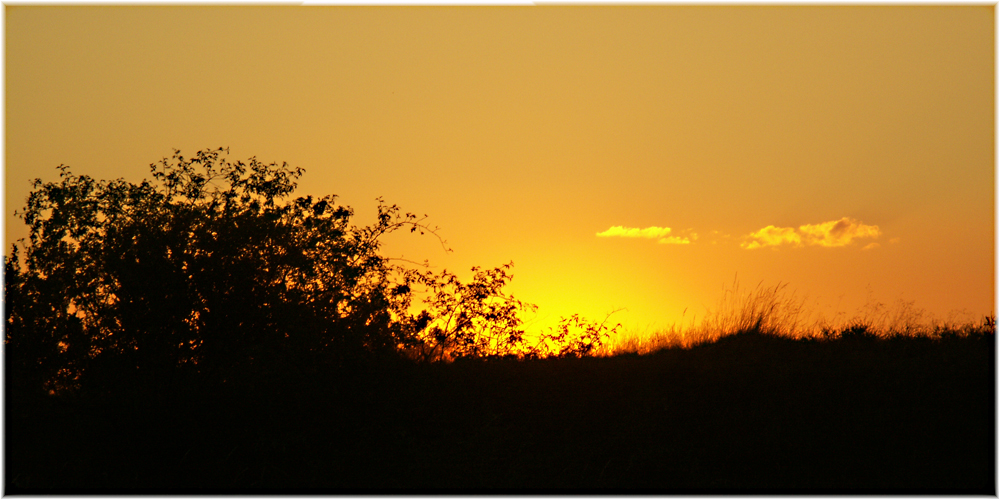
x=774, y=310
x=766, y=310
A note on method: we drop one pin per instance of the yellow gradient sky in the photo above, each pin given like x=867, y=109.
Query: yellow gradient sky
x=846, y=150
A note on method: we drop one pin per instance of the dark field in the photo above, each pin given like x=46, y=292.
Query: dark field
x=747, y=414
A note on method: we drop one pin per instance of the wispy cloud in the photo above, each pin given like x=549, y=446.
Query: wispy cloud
x=835, y=233
x=651, y=232
x=660, y=234
x=838, y=233
x=674, y=240
x=772, y=236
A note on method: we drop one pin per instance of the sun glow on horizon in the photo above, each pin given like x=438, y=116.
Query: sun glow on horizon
x=624, y=157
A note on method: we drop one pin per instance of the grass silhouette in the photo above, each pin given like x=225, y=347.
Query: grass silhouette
x=750, y=410
x=775, y=311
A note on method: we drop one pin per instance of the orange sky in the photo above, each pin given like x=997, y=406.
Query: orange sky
x=848, y=151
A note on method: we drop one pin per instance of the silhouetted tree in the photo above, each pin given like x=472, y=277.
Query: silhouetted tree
x=204, y=270
x=210, y=270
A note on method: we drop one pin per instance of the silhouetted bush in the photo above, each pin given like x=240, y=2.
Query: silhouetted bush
x=479, y=321
x=206, y=269
x=213, y=270
x=470, y=320
x=858, y=331
x=575, y=337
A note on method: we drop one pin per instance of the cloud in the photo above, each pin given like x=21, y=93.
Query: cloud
x=662, y=235
x=674, y=240
x=871, y=246
x=835, y=233
x=838, y=233
x=771, y=236
x=651, y=232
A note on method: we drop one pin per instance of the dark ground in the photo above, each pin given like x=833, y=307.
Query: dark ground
x=749, y=414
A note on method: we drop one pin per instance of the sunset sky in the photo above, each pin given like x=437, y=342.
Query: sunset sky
x=637, y=157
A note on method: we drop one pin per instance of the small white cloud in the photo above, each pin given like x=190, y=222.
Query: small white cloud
x=871, y=246
x=662, y=235
x=651, y=232
x=674, y=240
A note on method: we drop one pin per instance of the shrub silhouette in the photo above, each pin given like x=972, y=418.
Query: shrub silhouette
x=858, y=332
x=575, y=337
x=213, y=270
x=479, y=320
x=473, y=320
x=208, y=269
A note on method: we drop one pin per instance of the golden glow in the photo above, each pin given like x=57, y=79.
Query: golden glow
x=525, y=131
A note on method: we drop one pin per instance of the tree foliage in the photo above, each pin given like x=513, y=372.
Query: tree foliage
x=207, y=267
x=576, y=337
x=479, y=320
x=474, y=320
x=213, y=269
